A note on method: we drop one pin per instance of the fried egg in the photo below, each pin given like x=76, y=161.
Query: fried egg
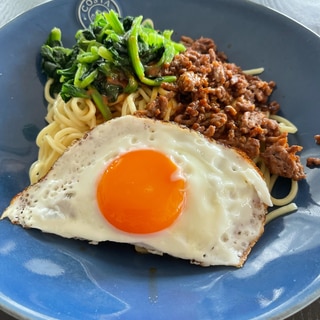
x=152, y=184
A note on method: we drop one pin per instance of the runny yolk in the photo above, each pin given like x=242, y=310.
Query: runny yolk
x=141, y=192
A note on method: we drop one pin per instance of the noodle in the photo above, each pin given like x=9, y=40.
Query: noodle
x=285, y=124
x=281, y=211
x=289, y=198
x=67, y=122
x=254, y=71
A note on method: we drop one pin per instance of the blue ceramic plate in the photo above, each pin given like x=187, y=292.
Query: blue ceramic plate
x=46, y=277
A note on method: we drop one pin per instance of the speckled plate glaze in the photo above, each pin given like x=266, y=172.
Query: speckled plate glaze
x=46, y=277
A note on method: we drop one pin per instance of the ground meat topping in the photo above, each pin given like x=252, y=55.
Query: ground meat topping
x=217, y=99
x=282, y=158
x=313, y=162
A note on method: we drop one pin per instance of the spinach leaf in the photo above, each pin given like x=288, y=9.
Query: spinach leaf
x=113, y=55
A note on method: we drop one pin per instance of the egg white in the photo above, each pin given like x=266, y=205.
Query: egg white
x=225, y=207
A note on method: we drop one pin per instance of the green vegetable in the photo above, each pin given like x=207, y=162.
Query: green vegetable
x=112, y=56
x=133, y=49
x=98, y=100
x=68, y=90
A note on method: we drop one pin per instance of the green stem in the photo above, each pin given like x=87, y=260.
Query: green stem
x=98, y=100
x=114, y=21
x=133, y=48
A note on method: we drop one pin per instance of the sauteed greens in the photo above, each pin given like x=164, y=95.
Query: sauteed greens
x=113, y=55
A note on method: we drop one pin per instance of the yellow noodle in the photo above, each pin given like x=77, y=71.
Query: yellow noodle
x=47, y=91
x=55, y=145
x=129, y=106
x=168, y=113
x=162, y=91
x=142, y=105
x=281, y=211
x=254, y=71
x=144, y=94
x=119, y=100
x=285, y=124
x=290, y=196
x=154, y=93
x=66, y=123
x=67, y=135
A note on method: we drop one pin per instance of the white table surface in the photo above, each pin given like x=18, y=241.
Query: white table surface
x=306, y=12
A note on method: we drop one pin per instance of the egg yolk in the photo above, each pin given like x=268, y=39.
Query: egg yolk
x=141, y=192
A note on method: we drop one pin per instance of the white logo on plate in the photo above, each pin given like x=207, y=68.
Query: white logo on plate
x=87, y=9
